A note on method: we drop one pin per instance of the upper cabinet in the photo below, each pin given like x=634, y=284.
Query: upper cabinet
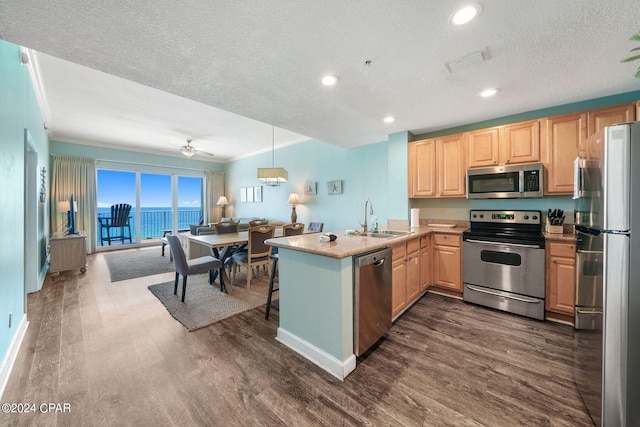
x=521, y=142
x=504, y=145
x=603, y=117
x=437, y=167
x=567, y=136
x=482, y=147
x=563, y=135
x=422, y=168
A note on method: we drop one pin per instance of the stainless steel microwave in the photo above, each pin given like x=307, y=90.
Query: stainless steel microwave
x=505, y=182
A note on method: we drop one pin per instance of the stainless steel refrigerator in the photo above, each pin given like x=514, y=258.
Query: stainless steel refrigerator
x=607, y=350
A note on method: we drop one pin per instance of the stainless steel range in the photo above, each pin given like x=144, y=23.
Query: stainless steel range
x=503, y=266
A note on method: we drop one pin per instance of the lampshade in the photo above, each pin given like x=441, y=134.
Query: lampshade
x=293, y=199
x=63, y=206
x=273, y=176
x=222, y=201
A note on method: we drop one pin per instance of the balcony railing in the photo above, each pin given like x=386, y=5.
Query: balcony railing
x=154, y=222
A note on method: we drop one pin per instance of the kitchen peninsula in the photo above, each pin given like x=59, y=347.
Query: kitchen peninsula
x=317, y=294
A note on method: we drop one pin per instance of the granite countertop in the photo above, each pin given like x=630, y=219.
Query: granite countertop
x=346, y=246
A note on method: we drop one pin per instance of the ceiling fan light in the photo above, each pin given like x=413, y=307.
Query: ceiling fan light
x=188, y=152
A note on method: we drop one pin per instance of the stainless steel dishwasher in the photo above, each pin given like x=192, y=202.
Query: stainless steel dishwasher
x=372, y=298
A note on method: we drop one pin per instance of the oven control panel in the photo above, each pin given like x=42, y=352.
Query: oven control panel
x=506, y=217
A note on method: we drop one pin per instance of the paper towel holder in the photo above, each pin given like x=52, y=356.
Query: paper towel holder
x=415, y=218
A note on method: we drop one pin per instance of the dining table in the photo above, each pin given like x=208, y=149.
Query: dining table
x=223, y=246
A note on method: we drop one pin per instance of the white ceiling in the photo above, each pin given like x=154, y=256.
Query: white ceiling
x=224, y=62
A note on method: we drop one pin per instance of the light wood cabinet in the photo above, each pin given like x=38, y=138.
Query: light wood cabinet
x=504, y=145
x=603, y=117
x=567, y=136
x=437, y=167
x=447, y=261
x=521, y=142
x=422, y=168
x=562, y=135
x=482, y=148
x=561, y=277
x=425, y=262
x=398, y=279
x=451, y=166
x=406, y=285
x=67, y=252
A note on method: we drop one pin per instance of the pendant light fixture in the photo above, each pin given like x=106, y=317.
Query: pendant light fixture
x=273, y=176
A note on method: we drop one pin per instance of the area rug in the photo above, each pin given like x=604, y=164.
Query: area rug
x=129, y=264
x=204, y=304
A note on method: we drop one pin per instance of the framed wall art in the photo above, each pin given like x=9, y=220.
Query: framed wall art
x=334, y=187
x=257, y=194
x=249, y=194
x=310, y=188
x=243, y=194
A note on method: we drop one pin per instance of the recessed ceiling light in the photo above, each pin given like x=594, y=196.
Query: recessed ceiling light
x=465, y=14
x=488, y=92
x=329, y=80
x=389, y=119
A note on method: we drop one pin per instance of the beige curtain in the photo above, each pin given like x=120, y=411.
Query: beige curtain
x=77, y=176
x=214, y=188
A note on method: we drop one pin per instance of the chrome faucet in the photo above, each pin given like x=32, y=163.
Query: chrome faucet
x=365, y=225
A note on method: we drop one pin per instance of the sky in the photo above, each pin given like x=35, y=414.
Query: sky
x=155, y=190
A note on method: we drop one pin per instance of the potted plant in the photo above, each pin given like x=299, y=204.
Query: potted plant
x=634, y=54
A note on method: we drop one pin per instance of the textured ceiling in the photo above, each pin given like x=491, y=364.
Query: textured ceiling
x=263, y=60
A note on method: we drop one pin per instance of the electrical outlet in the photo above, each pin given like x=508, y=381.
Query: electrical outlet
x=441, y=211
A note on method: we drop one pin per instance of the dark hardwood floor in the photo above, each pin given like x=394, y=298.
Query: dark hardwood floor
x=113, y=352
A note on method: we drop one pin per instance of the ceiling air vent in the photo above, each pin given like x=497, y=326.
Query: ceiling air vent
x=467, y=61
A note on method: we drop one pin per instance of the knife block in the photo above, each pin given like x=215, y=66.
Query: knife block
x=554, y=229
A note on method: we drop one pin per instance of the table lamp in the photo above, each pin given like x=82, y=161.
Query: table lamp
x=293, y=201
x=222, y=201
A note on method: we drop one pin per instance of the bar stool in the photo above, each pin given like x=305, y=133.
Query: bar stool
x=272, y=280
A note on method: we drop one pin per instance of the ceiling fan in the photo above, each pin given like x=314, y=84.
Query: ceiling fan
x=189, y=150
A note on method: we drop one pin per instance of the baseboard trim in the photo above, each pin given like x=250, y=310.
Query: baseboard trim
x=337, y=368
x=12, y=354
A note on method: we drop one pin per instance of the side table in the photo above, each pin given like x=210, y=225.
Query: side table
x=67, y=252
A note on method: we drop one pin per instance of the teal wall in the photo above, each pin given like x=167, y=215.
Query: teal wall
x=363, y=170
x=19, y=110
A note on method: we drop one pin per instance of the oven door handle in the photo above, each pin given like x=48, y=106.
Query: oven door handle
x=518, y=245
x=500, y=294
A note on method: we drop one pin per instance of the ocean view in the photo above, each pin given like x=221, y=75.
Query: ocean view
x=153, y=220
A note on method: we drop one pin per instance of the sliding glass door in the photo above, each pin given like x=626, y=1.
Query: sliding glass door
x=189, y=201
x=160, y=203
x=114, y=188
x=156, y=213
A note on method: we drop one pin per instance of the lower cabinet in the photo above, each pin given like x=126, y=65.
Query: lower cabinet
x=561, y=277
x=405, y=275
x=447, y=261
x=425, y=262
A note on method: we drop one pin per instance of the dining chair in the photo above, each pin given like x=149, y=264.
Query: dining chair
x=258, y=252
x=257, y=222
x=316, y=226
x=187, y=267
x=293, y=229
